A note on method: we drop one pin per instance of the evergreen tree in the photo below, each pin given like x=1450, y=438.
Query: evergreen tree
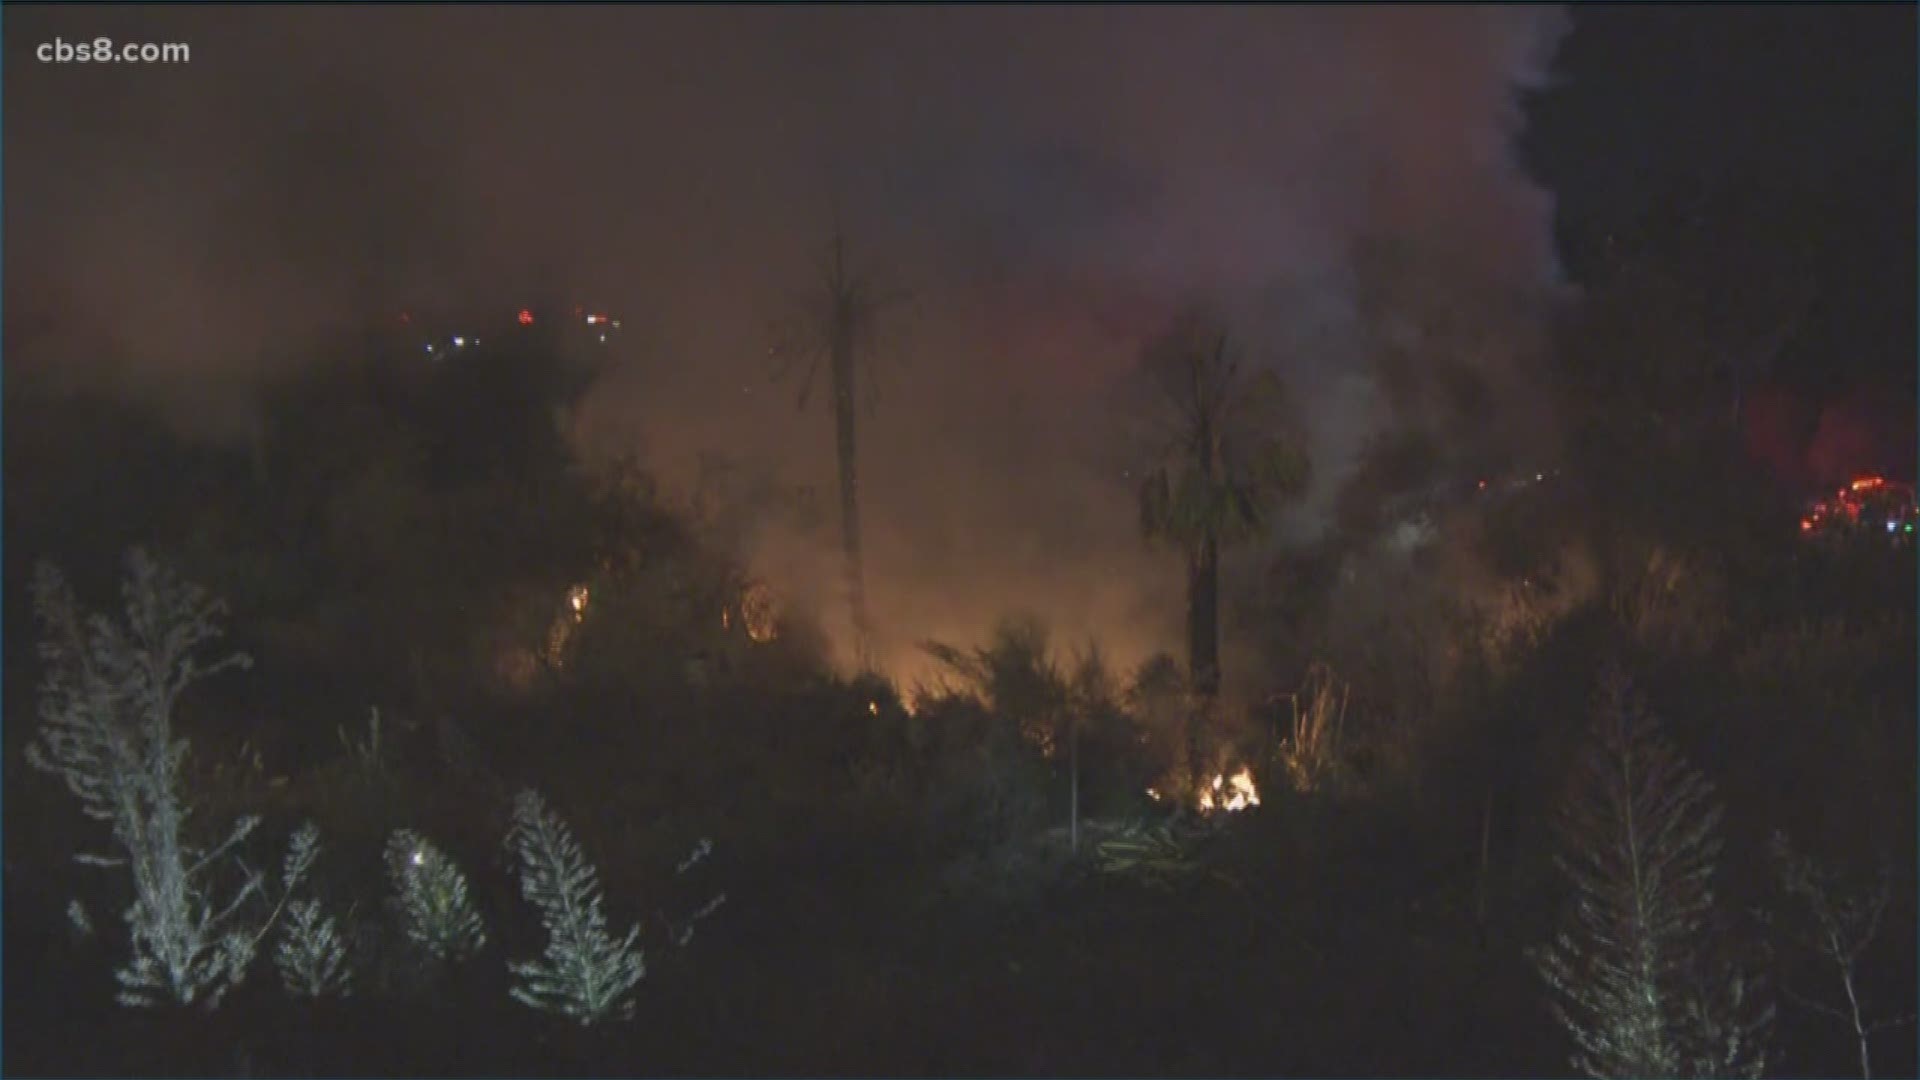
x=312, y=957
x=433, y=897
x=1630, y=973
x=585, y=974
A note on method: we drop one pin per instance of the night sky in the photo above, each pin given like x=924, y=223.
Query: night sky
x=1742, y=121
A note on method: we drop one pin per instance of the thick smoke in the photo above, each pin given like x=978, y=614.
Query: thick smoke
x=1046, y=184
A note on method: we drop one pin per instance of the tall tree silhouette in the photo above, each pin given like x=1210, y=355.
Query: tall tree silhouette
x=835, y=322
x=1226, y=459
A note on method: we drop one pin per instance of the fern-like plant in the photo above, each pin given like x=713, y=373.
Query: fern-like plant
x=312, y=958
x=1629, y=973
x=106, y=728
x=432, y=894
x=585, y=974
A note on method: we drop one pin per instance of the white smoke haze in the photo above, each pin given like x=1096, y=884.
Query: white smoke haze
x=1048, y=183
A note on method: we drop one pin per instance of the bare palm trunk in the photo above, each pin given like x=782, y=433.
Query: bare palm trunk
x=1203, y=593
x=1203, y=647
x=838, y=322
x=1203, y=618
x=844, y=329
x=844, y=416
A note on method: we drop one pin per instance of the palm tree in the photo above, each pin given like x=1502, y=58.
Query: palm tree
x=1226, y=461
x=836, y=323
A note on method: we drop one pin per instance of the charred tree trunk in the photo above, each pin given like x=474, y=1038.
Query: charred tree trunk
x=838, y=321
x=1203, y=589
x=845, y=417
x=1203, y=649
x=1203, y=618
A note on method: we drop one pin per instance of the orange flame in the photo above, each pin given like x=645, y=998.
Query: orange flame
x=759, y=611
x=1230, y=793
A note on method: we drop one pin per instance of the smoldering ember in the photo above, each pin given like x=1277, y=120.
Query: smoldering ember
x=960, y=541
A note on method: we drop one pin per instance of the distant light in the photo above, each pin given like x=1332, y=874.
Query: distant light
x=1537, y=477
x=1892, y=525
x=429, y=347
x=603, y=337
x=1483, y=485
x=616, y=324
x=459, y=343
x=526, y=317
x=419, y=857
x=1806, y=525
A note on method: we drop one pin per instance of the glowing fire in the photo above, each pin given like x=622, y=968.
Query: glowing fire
x=560, y=633
x=1230, y=793
x=758, y=612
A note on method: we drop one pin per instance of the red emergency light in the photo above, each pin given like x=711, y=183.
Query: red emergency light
x=526, y=317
